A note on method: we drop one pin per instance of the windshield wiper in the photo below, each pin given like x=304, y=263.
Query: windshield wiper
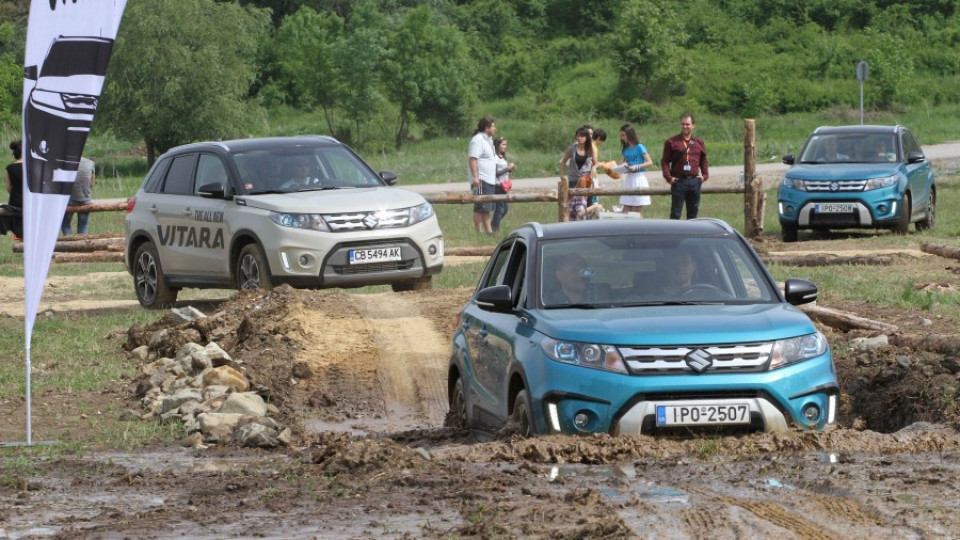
x=316, y=188
x=671, y=303
x=267, y=192
x=574, y=306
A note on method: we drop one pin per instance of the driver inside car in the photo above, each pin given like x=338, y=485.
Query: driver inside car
x=301, y=177
x=681, y=272
x=572, y=281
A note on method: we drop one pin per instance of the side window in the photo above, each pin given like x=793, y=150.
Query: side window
x=211, y=170
x=152, y=184
x=180, y=177
x=515, y=274
x=910, y=144
x=496, y=266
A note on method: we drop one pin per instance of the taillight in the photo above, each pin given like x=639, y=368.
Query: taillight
x=131, y=202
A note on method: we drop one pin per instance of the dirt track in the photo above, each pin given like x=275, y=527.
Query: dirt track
x=363, y=379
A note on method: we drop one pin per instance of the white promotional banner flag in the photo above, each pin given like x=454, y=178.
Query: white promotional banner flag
x=68, y=47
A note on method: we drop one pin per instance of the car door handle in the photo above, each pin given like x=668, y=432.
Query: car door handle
x=154, y=209
x=188, y=212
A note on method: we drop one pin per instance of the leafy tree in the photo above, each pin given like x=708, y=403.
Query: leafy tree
x=649, y=39
x=428, y=74
x=12, y=39
x=181, y=71
x=306, y=47
x=360, y=56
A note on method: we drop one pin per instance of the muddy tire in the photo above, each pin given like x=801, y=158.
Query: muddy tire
x=930, y=219
x=148, y=280
x=903, y=222
x=457, y=418
x=420, y=284
x=522, y=415
x=252, y=270
x=789, y=233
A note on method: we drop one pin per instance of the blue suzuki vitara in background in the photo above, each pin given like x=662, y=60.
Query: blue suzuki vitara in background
x=630, y=327
x=848, y=177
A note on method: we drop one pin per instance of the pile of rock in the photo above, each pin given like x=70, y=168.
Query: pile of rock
x=208, y=391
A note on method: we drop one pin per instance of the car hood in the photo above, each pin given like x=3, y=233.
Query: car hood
x=851, y=171
x=335, y=201
x=675, y=325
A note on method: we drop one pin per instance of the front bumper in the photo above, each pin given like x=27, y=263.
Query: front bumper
x=312, y=259
x=627, y=404
x=879, y=208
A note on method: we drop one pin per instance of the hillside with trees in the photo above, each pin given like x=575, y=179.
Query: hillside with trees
x=382, y=73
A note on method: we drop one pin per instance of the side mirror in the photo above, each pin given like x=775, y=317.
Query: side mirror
x=799, y=291
x=389, y=177
x=788, y=159
x=915, y=157
x=213, y=190
x=30, y=73
x=498, y=299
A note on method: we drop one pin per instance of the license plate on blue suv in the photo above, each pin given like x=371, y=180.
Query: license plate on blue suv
x=835, y=208
x=374, y=255
x=703, y=414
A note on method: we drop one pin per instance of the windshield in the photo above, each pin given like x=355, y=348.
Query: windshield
x=851, y=148
x=77, y=57
x=634, y=270
x=303, y=168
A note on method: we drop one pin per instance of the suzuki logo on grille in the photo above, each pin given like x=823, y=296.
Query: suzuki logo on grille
x=834, y=186
x=699, y=360
x=370, y=221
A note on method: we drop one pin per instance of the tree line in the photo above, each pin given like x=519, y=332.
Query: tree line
x=383, y=72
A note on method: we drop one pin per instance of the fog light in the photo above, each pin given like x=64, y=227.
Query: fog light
x=304, y=260
x=790, y=209
x=432, y=250
x=811, y=413
x=882, y=209
x=581, y=420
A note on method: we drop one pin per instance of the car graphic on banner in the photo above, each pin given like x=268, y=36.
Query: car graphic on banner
x=60, y=109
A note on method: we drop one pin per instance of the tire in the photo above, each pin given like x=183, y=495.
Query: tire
x=789, y=233
x=148, y=280
x=420, y=284
x=252, y=270
x=457, y=418
x=929, y=221
x=522, y=415
x=903, y=222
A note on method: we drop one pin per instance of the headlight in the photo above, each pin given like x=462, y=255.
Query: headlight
x=798, y=349
x=313, y=222
x=877, y=183
x=591, y=355
x=792, y=183
x=53, y=99
x=420, y=213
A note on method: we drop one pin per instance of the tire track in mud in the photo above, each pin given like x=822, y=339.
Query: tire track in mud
x=781, y=517
x=413, y=358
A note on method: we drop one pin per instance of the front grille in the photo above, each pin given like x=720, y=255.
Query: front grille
x=362, y=221
x=834, y=185
x=689, y=396
x=393, y=266
x=738, y=358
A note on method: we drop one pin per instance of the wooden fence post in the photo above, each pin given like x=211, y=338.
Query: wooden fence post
x=563, y=200
x=752, y=193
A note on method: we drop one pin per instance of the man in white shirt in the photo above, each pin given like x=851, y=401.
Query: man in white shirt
x=482, y=172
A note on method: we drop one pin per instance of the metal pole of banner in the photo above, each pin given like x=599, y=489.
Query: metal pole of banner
x=29, y=413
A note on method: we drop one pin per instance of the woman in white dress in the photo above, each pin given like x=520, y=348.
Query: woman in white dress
x=634, y=160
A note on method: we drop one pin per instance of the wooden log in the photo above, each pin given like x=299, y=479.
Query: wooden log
x=469, y=198
x=72, y=237
x=941, y=250
x=563, y=200
x=938, y=343
x=95, y=256
x=753, y=226
x=844, y=321
x=82, y=245
x=828, y=260
x=468, y=251
x=111, y=205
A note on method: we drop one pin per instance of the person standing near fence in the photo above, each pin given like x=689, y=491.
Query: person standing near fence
x=14, y=206
x=633, y=163
x=86, y=178
x=578, y=160
x=482, y=170
x=504, y=184
x=684, y=166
